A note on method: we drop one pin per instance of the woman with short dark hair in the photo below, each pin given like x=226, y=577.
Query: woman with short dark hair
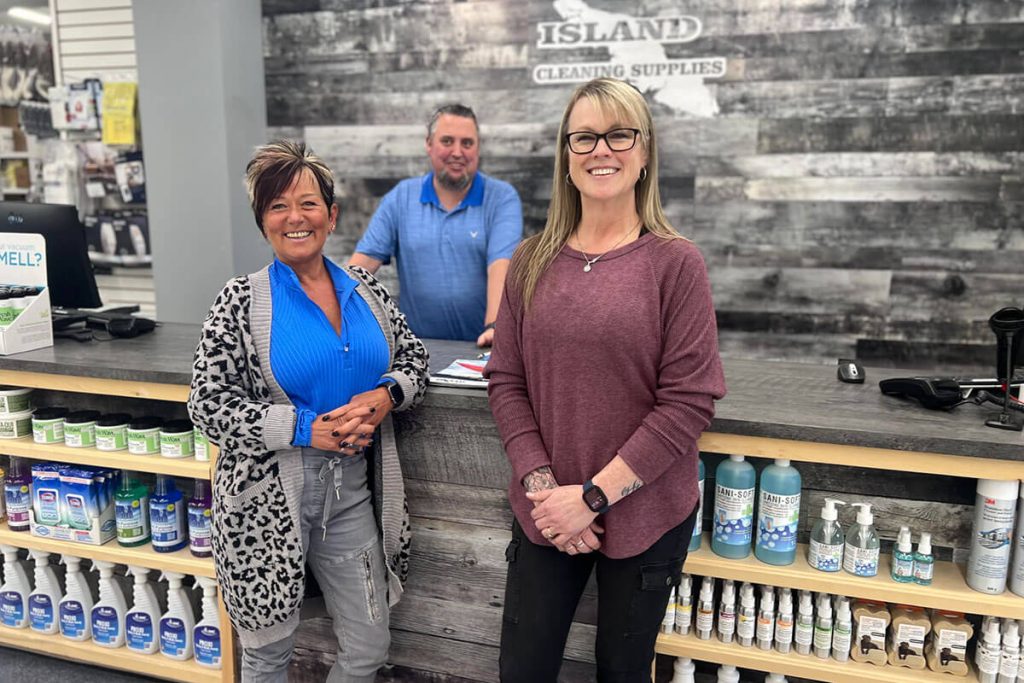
x=297, y=369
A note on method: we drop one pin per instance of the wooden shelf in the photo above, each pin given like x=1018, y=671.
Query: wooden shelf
x=861, y=456
x=181, y=561
x=948, y=589
x=157, y=464
x=793, y=664
x=99, y=386
x=14, y=191
x=155, y=665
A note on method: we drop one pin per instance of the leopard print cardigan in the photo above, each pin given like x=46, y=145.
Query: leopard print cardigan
x=257, y=487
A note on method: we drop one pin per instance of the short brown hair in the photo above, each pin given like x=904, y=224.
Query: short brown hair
x=274, y=167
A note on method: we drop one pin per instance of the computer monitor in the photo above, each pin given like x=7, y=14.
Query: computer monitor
x=69, y=274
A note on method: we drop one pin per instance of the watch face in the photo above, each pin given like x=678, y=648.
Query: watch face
x=595, y=499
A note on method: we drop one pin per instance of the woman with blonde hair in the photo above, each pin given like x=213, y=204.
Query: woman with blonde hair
x=603, y=375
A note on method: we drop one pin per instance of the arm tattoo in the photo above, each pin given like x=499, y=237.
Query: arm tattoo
x=540, y=479
x=631, y=488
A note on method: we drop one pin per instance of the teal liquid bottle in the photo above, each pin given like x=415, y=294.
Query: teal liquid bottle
x=733, y=523
x=778, y=514
x=698, y=525
x=131, y=508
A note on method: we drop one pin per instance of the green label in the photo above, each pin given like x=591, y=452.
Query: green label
x=177, y=445
x=144, y=442
x=114, y=438
x=48, y=431
x=80, y=435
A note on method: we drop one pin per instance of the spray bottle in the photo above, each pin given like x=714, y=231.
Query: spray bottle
x=860, y=556
x=141, y=621
x=727, y=673
x=766, y=618
x=206, y=635
x=668, y=622
x=823, y=627
x=75, y=608
x=804, y=628
x=18, y=494
x=14, y=591
x=706, y=609
x=698, y=525
x=108, y=613
x=924, y=561
x=43, y=601
x=683, y=670
x=178, y=621
x=784, y=622
x=684, y=606
x=1009, y=661
x=903, y=557
x=989, y=653
x=842, y=634
x=746, y=621
x=727, y=612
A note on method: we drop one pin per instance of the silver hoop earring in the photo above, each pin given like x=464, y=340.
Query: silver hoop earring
x=568, y=180
x=643, y=174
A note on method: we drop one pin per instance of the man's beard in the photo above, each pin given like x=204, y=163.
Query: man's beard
x=454, y=184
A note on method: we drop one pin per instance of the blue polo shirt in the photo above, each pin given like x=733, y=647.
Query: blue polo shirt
x=443, y=255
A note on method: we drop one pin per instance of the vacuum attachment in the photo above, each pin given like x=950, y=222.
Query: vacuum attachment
x=934, y=393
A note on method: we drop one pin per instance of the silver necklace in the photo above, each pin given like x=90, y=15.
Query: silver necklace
x=591, y=261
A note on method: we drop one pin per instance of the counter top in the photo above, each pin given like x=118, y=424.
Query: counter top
x=780, y=400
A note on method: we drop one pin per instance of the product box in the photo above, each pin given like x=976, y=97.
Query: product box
x=24, y=297
x=72, y=503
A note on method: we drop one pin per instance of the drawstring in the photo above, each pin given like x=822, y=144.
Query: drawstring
x=328, y=468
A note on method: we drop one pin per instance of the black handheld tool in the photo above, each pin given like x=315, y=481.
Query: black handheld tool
x=934, y=393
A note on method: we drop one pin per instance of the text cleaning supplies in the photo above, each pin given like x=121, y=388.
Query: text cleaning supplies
x=860, y=555
x=131, y=507
x=167, y=516
x=991, y=535
x=924, y=561
x=825, y=552
x=18, y=494
x=45, y=597
x=14, y=591
x=732, y=525
x=108, y=613
x=698, y=525
x=903, y=557
x=778, y=514
x=200, y=521
x=178, y=621
x=141, y=622
x=75, y=609
x=206, y=635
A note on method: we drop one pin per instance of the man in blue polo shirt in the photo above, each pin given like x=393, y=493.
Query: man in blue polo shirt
x=452, y=231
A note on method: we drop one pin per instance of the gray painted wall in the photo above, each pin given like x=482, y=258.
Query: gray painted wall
x=201, y=96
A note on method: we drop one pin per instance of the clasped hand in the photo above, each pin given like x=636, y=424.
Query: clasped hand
x=564, y=519
x=349, y=429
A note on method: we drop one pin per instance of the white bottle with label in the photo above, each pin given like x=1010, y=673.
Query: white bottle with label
x=766, y=618
x=860, y=555
x=989, y=653
x=206, y=634
x=668, y=622
x=141, y=624
x=803, y=630
x=784, y=622
x=684, y=606
x=683, y=670
x=992, y=535
x=43, y=601
x=108, y=614
x=823, y=627
x=727, y=612
x=1017, y=569
x=74, y=611
x=1009, y=661
x=178, y=621
x=706, y=609
x=14, y=590
x=825, y=552
x=842, y=633
x=746, y=616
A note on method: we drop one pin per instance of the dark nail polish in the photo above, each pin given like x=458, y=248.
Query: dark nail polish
x=335, y=434
x=372, y=410
x=342, y=445
x=325, y=418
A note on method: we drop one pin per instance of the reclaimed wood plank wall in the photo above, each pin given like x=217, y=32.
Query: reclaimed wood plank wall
x=858, y=190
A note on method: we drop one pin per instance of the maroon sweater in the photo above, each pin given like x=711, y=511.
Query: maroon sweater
x=621, y=360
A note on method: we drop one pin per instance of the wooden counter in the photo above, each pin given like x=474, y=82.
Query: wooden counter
x=915, y=466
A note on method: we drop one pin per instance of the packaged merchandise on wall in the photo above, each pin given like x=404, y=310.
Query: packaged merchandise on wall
x=910, y=628
x=842, y=633
x=823, y=627
x=803, y=627
x=766, y=618
x=991, y=535
x=784, y=623
x=989, y=652
x=871, y=622
x=131, y=503
x=947, y=651
x=683, y=670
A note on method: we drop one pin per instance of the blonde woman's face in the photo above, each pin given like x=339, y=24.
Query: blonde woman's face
x=603, y=173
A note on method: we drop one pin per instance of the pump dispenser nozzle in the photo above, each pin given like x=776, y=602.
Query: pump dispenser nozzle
x=864, y=515
x=828, y=510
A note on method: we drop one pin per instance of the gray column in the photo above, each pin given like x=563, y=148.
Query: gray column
x=203, y=108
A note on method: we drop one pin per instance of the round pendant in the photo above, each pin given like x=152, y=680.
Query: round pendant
x=586, y=268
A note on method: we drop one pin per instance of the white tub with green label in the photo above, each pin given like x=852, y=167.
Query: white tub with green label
x=16, y=425
x=15, y=400
x=48, y=425
x=144, y=435
x=112, y=432
x=177, y=439
x=80, y=429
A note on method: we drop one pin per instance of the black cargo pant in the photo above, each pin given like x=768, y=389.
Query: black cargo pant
x=544, y=585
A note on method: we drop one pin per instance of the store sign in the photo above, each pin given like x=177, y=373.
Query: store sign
x=636, y=51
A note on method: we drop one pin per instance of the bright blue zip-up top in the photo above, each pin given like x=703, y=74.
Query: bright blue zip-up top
x=316, y=368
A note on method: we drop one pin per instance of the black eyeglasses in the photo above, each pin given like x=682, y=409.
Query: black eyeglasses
x=618, y=140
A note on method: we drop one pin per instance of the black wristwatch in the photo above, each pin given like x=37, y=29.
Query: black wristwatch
x=595, y=499
x=396, y=393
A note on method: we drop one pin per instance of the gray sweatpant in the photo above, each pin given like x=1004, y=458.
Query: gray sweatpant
x=343, y=548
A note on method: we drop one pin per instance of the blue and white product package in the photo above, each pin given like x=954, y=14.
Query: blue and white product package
x=46, y=498
x=75, y=608
x=178, y=622
x=80, y=496
x=108, y=614
x=44, y=598
x=142, y=621
x=206, y=635
x=14, y=590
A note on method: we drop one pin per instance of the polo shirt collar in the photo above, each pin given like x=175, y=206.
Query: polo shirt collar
x=475, y=196
x=344, y=285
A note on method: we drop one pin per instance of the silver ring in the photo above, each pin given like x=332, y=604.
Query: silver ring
x=580, y=543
